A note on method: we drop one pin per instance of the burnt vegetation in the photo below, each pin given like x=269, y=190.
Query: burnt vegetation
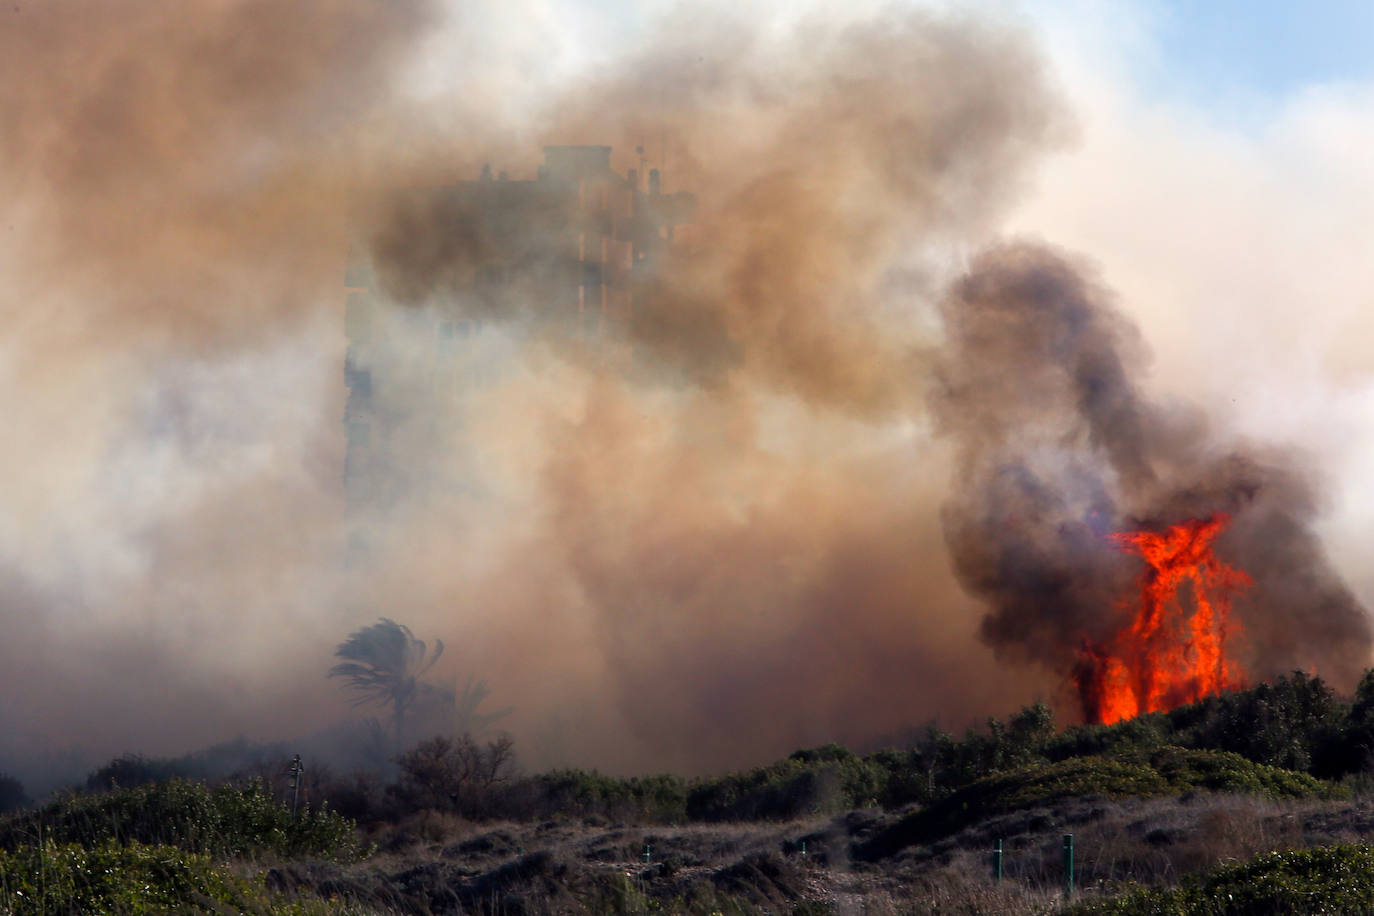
x=1247, y=796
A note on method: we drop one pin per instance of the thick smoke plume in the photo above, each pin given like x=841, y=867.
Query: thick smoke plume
x=182, y=169
x=710, y=538
x=732, y=527
x=824, y=162
x=176, y=182
x=1059, y=448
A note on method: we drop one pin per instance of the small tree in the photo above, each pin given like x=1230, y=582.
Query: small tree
x=454, y=773
x=1030, y=730
x=383, y=663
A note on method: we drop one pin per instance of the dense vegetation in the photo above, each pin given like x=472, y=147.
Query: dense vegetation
x=162, y=835
x=131, y=878
x=153, y=848
x=1295, y=724
x=230, y=820
x=1334, y=879
x=1163, y=771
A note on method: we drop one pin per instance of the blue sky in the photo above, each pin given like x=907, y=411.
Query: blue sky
x=1234, y=60
x=1235, y=56
x=1231, y=51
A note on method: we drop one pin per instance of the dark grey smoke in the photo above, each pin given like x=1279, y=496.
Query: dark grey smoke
x=1060, y=448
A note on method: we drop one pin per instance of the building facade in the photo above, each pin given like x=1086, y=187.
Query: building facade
x=567, y=252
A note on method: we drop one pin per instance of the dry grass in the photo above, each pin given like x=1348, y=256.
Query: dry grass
x=1154, y=841
x=562, y=866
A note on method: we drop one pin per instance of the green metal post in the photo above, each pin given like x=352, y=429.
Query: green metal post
x=997, y=862
x=1068, y=865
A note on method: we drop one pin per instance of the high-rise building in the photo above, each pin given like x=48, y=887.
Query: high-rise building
x=565, y=252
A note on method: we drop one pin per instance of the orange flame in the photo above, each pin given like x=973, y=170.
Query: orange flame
x=1167, y=657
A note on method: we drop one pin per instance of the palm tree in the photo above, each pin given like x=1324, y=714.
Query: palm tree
x=467, y=719
x=383, y=663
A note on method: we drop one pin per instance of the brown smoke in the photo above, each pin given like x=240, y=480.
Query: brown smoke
x=722, y=546
x=743, y=535
x=176, y=181
x=823, y=163
x=182, y=168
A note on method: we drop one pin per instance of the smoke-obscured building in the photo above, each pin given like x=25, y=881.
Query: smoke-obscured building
x=565, y=252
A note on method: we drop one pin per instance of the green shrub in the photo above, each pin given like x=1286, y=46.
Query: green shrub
x=232, y=820
x=1333, y=879
x=115, y=878
x=1294, y=722
x=1143, y=733
x=1164, y=771
x=583, y=793
x=132, y=879
x=1019, y=789
x=136, y=770
x=1222, y=771
x=811, y=782
x=932, y=764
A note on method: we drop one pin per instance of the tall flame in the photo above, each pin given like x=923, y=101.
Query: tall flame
x=1167, y=656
